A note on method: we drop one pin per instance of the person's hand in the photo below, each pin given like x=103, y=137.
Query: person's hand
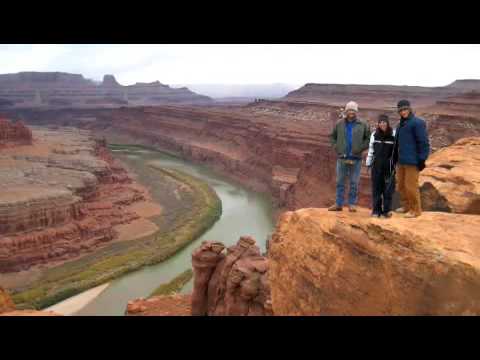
x=421, y=165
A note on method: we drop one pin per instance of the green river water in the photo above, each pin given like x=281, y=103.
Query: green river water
x=244, y=212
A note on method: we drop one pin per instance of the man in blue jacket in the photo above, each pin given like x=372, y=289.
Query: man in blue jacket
x=411, y=151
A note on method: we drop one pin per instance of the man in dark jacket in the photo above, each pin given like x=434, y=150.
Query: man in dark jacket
x=411, y=151
x=350, y=137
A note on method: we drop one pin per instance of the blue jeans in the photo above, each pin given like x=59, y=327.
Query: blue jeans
x=351, y=172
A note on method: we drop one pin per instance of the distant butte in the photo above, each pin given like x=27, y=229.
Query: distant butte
x=53, y=90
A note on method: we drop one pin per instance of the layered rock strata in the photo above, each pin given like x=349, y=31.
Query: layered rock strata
x=277, y=146
x=64, y=90
x=63, y=195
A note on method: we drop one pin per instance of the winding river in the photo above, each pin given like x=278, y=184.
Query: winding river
x=244, y=212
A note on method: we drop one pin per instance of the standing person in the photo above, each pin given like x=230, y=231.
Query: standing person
x=412, y=149
x=350, y=137
x=380, y=161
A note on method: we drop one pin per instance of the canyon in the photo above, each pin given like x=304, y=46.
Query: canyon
x=280, y=146
x=331, y=263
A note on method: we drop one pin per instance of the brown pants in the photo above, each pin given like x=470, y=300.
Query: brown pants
x=407, y=180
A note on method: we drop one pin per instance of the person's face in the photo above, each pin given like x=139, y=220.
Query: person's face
x=383, y=126
x=351, y=115
x=404, y=113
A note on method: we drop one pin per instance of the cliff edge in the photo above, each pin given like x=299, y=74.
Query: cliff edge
x=323, y=263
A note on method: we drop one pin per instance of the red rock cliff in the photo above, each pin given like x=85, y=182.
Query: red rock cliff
x=323, y=263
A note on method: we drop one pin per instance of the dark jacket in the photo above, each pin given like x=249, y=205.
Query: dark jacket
x=380, y=151
x=360, y=138
x=412, y=145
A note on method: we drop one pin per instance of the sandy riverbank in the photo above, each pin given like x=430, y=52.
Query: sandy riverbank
x=77, y=302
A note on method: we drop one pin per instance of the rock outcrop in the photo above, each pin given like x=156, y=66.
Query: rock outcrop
x=234, y=283
x=451, y=181
x=6, y=303
x=323, y=263
x=14, y=133
x=164, y=305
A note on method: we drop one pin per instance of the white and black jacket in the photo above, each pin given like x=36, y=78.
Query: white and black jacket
x=380, y=150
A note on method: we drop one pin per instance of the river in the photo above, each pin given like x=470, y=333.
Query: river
x=244, y=212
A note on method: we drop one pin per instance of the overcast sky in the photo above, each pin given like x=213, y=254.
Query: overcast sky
x=427, y=65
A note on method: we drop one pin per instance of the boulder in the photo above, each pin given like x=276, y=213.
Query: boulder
x=451, y=181
x=324, y=263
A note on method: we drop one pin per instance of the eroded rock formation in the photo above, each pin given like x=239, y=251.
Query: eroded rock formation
x=323, y=263
x=62, y=196
x=234, y=283
x=451, y=181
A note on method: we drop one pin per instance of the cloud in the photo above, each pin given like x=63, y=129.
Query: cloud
x=428, y=65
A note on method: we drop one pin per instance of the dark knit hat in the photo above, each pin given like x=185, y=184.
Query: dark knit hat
x=403, y=104
x=383, y=118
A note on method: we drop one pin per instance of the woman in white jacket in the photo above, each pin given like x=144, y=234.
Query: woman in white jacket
x=380, y=161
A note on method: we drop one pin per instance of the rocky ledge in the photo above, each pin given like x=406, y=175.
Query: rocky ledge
x=451, y=181
x=323, y=263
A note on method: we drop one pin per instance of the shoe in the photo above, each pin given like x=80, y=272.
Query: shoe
x=352, y=208
x=335, y=208
x=387, y=215
x=411, y=215
x=401, y=210
x=375, y=215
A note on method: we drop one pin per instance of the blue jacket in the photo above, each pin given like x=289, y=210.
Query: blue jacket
x=412, y=141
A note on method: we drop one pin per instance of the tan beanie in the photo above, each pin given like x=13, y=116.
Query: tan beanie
x=351, y=106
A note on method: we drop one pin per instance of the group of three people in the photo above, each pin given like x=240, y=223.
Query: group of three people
x=402, y=151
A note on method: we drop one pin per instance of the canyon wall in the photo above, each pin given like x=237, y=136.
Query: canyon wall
x=64, y=90
x=283, y=146
x=62, y=196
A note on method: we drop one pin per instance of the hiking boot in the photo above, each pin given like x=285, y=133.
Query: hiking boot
x=352, y=208
x=411, y=215
x=401, y=210
x=335, y=208
x=387, y=215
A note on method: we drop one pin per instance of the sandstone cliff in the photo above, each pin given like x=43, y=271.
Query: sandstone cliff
x=62, y=197
x=323, y=263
